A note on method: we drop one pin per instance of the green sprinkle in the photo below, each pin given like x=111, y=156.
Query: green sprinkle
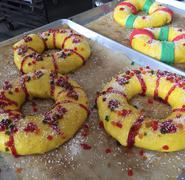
x=152, y=71
x=145, y=134
x=7, y=132
x=6, y=149
x=72, y=72
x=94, y=106
x=132, y=63
x=107, y=118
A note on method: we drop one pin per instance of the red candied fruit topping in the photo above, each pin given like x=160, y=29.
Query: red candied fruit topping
x=85, y=146
x=123, y=80
x=165, y=147
x=52, y=117
x=124, y=112
x=154, y=125
x=72, y=94
x=108, y=150
x=118, y=124
x=27, y=38
x=4, y=124
x=143, y=17
x=76, y=40
x=130, y=172
x=31, y=127
x=167, y=127
x=62, y=82
x=50, y=137
x=39, y=74
x=113, y=104
x=22, y=49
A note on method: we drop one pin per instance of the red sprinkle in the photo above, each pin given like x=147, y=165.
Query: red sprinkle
x=85, y=146
x=154, y=125
x=31, y=127
x=124, y=112
x=150, y=100
x=108, y=150
x=141, y=152
x=50, y=137
x=16, y=89
x=118, y=124
x=34, y=108
x=101, y=126
x=130, y=172
x=178, y=115
x=165, y=147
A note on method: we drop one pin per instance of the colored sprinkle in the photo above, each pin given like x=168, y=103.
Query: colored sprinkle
x=150, y=100
x=50, y=137
x=141, y=152
x=124, y=112
x=165, y=147
x=108, y=150
x=154, y=125
x=85, y=146
x=31, y=127
x=19, y=170
x=130, y=172
x=118, y=124
x=107, y=118
x=100, y=125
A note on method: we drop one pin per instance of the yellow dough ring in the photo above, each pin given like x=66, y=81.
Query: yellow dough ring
x=166, y=44
x=127, y=124
x=125, y=14
x=37, y=134
x=74, y=51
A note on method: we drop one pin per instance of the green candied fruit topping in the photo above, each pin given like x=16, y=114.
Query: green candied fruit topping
x=107, y=118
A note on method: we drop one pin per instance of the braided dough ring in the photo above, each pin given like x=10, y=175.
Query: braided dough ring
x=166, y=44
x=74, y=51
x=125, y=14
x=37, y=134
x=127, y=125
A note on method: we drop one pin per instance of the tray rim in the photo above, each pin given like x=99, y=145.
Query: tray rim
x=133, y=55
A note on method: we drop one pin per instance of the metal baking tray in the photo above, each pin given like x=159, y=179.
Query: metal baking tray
x=96, y=14
x=133, y=55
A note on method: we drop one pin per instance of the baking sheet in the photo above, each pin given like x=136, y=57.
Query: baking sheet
x=71, y=161
x=101, y=20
